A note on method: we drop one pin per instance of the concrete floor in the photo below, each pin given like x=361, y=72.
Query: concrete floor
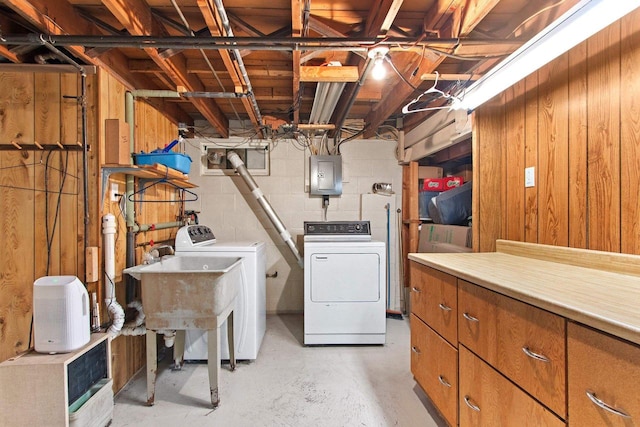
x=289, y=385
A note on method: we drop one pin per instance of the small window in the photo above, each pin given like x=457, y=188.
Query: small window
x=214, y=156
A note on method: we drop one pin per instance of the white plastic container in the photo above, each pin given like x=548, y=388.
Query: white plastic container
x=61, y=320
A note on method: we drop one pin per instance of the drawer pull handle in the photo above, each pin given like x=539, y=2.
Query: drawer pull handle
x=534, y=355
x=415, y=350
x=470, y=404
x=592, y=396
x=416, y=290
x=469, y=317
x=443, y=381
x=444, y=307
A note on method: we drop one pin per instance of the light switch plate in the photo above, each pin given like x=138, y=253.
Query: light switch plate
x=529, y=177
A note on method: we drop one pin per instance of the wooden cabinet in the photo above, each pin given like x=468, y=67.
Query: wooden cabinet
x=523, y=342
x=434, y=300
x=434, y=363
x=604, y=379
x=45, y=391
x=546, y=335
x=489, y=399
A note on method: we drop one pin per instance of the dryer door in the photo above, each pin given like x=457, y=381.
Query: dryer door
x=345, y=277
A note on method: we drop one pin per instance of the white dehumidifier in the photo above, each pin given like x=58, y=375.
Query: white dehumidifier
x=61, y=320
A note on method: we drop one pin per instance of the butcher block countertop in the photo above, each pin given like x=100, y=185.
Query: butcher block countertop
x=598, y=289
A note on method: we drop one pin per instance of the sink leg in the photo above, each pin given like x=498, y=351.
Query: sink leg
x=152, y=367
x=231, y=341
x=178, y=350
x=213, y=364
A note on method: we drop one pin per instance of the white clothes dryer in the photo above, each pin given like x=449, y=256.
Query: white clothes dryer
x=344, y=284
x=250, y=313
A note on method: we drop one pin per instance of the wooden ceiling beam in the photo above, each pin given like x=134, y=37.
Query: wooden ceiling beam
x=329, y=74
x=6, y=53
x=383, y=15
x=296, y=32
x=471, y=14
x=216, y=27
x=136, y=17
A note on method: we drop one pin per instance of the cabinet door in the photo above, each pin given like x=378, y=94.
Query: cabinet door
x=435, y=295
x=434, y=364
x=489, y=399
x=523, y=342
x=604, y=379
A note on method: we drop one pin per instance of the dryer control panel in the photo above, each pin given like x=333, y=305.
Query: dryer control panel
x=358, y=228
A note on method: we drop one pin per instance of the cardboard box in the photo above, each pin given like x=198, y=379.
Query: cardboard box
x=452, y=234
x=429, y=172
x=116, y=142
x=436, y=247
x=465, y=171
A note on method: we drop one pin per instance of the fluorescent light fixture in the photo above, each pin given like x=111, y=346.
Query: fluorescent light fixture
x=578, y=24
x=325, y=101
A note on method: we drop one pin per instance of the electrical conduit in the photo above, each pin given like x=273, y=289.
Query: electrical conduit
x=115, y=310
x=239, y=166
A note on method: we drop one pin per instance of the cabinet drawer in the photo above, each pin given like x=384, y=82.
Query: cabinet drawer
x=608, y=369
x=489, y=399
x=434, y=364
x=434, y=299
x=523, y=342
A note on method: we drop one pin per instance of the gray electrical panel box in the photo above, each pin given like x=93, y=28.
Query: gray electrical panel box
x=325, y=175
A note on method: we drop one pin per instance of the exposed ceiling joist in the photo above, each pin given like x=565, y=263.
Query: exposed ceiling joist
x=397, y=96
x=146, y=24
x=296, y=32
x=329, y=74
x=384, y=14
x=59, y=17
x=216, y=28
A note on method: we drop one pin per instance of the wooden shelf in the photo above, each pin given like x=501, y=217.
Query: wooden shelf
x=155, y=171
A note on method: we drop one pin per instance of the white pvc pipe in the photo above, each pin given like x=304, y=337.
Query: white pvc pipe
x=115, y=310
x=239, y=166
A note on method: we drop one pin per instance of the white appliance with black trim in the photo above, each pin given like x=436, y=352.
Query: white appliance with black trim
x=344, y=284
x=250, y=313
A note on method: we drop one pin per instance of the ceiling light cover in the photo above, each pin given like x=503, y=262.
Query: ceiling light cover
x=576, y=25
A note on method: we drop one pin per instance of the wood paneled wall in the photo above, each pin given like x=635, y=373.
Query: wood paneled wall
x=41, y=193
x=42, y=227
x=577, y=121
x=152, y=130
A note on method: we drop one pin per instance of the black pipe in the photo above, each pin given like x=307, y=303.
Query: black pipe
x=232, y=43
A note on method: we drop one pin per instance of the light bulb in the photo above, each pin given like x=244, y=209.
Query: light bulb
x=378, y=72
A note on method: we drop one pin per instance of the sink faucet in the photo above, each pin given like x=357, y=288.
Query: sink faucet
x=164, y=250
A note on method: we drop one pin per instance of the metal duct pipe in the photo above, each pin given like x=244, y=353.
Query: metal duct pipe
x=239, y=61
x=151, y=93
x=342, y=117
x=352, y=44
x=239, y=166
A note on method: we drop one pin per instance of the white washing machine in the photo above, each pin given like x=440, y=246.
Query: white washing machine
x=250, y=313
x=344, y=284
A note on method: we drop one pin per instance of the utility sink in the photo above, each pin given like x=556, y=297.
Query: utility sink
x=187, y=292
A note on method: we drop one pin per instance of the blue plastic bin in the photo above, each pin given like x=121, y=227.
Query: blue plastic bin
x=177, y=161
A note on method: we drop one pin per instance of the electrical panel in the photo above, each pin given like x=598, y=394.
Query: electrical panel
x=325, y=175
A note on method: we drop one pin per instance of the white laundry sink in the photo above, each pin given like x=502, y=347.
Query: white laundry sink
x=187, y=292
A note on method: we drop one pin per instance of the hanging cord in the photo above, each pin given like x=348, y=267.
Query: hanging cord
x=50, y=235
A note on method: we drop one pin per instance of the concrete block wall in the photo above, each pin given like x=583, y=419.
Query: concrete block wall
x=226, y=205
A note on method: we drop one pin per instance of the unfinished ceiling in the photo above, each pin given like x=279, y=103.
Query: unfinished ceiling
x=260, y=61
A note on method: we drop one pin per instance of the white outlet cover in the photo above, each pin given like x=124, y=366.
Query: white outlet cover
x=529, y=177
x=114, y=192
